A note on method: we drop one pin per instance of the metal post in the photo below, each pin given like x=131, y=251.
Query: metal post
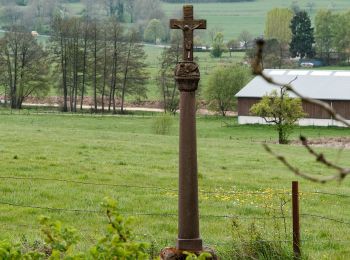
x=296, y=223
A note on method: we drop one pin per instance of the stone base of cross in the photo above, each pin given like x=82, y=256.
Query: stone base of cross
x=170, y=253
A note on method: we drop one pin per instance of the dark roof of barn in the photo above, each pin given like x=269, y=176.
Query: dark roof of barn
x=317, y=84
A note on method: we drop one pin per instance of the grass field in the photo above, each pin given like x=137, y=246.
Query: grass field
x=125, y=151
x=233, y=18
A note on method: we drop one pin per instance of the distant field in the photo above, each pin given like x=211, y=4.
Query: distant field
x=124, y=151
x=232, y=18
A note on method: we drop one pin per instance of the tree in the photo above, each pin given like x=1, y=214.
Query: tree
x=281, y=110
x=245, y=37
x=302, y=36
x=146, y=10
x=273, y=54
x=94, y=36
x=223, y=85
x=295, y=7
x=115, y=40
x=232, y=45
x=213, y=31
x=324, y=23
x=91, y=8
x=341, y=31
x=168, y=60
x=130, y=6
x=154, y=31
x=114, y=8
x=134, y=74
x=218, y=47
x=22, y=2
x=277, y=25
x=310, y=6
x=24, y=63
x=59, y=46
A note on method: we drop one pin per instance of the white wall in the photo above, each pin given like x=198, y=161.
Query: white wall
x=242, y=120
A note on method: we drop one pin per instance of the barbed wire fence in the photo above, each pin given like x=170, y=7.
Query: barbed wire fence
x=12, y=227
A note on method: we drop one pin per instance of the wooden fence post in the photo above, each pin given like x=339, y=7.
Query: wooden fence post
x=296, y=223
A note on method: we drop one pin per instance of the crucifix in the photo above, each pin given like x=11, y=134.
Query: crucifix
x=187, y=77
x=188, y=25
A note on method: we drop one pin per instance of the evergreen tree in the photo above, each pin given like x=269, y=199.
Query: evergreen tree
x=302, y=36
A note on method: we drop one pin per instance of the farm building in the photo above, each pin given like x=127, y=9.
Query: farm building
x=332, y=87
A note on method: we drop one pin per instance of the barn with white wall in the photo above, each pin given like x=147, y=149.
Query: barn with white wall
x=332, y=87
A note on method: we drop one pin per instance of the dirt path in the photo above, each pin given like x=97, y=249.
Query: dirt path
x=341, y=142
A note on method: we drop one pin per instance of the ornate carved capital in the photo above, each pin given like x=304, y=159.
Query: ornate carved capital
x=187, y=76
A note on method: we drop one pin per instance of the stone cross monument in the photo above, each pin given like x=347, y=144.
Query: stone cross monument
x=187, y=77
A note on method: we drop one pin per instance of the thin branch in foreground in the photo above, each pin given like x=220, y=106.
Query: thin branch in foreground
x=299, y=173
x=342, y=172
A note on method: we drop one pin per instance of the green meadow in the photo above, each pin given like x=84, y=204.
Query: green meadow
x=233, y=18
x=71, y=162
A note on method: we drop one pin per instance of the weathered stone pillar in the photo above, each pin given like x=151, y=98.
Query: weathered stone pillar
x=187, y=77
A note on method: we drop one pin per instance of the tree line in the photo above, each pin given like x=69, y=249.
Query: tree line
x=84, y=56
x=290, y=34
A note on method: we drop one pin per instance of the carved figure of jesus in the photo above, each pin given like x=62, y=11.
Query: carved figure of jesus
x=188, y=25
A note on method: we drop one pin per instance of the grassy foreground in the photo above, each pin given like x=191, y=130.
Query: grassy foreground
x=124, y=151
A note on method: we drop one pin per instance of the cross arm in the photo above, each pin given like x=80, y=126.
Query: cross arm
x=190, y=24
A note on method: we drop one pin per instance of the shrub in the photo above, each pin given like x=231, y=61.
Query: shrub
x=162, y=124
x=218, y=47
x=250, y=244
x=280, y=110
x=60, y=241
x=223, y=85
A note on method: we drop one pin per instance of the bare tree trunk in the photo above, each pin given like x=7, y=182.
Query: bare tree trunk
x=64, y=73
x=114, y=77
x=84, y=66
x=104, y=76
x=95, y=67
x=125, y=76
x=9, y=69
x=75, y=71
x=14, y=87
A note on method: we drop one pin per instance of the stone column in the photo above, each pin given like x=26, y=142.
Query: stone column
x=187, y=77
